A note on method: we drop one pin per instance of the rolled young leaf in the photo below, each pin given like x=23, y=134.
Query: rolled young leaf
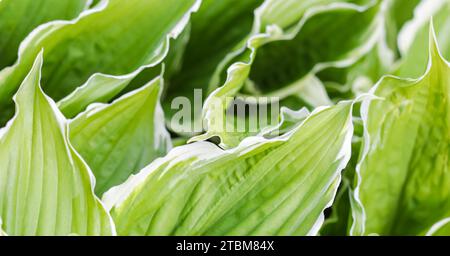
x=277, y=186
x=119, y=139
x=403, y=175
x=103, y=40
x=13, y=13
x=45, y=186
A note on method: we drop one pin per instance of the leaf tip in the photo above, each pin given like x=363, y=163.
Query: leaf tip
x=434, y=52
x=33, y=78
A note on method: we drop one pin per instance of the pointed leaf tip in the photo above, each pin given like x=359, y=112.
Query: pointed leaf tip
x=123, y=136
x=45, y=186
x=32, y=80
x=434, y=51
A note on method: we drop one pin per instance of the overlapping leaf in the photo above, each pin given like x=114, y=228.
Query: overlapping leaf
x=118, y=38
x=216, y=30
x=382, y=53
x=276, y=186
x=349, y=64
x=403, y=176
x=337, y=223
x=399, y=12
x=14, y=13
x=45, y=186
x=415, y=37
x=119, y=139
x=264, y=62
x=305, y=53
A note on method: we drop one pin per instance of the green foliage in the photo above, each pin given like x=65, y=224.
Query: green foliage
x=359, y=145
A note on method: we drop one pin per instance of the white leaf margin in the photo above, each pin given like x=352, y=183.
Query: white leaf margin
x=122, y=80
x=274, y=33
x=64, y=129
x=422, y=15
x=205, y=152
x=438, y=225
x=116, y=81
x=358, y=213
x=158, y=118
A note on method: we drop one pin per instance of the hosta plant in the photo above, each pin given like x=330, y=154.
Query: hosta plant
x=231, y=117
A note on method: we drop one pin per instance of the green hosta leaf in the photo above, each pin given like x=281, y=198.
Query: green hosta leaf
x=399, y=12
x=171, y=65
x=101, y=40
x=289, y=119
x=265, y=63
x=286, y=14
x=415, y=37
x=349, y=81
x=99, y=88
x=119, y=139
x=277, y=186
x=337, y=224
x=270, y=52
x=45, y=186
x=337, y=221
x=403, y=175
x=19, y=17
x=358, y=78
x=216, y=29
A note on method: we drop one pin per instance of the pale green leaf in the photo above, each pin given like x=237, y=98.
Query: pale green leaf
x=45, y=186
x=306, y=44
x=414, y=39
x=277, y=186
x=14, y=13
x=358, y=78
x=398, y=13
x=344, y=82
x=102, y=40
x=337, y=223
x=403, y=175
x=119, y=139
x=216, y=29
